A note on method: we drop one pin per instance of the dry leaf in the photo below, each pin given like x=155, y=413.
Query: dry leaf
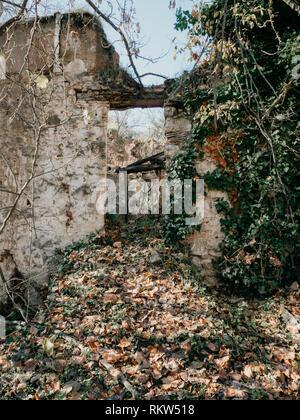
x=223, y=362
x=124, y=343
x=247, y=372
x=112, y=356
x=235, y=393
x=48, y=347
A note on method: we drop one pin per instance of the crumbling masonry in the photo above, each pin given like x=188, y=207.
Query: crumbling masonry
x=61, y=78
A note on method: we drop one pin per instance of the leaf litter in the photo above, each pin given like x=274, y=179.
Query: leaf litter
x=118, y=325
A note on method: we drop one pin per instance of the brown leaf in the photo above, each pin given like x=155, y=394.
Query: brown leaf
x=112, y=356
x=284, y=355
x=223, y=362
x=110, y=298
x=212, y=347
x=124, y=343
x=235, y=393
x=59, y=365
x=94, y=346
x=31, y=365
x=117, y=245
x=52, y=384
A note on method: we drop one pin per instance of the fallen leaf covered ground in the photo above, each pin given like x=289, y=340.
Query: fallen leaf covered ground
x=117, y=325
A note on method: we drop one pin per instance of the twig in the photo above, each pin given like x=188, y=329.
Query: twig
x=8, y=191
x=278, y=99
x=292, y=5
x=11, y=3
x=15, y=18
x=104, y=17
x=18, y=307
x=154, y=74
x=27, y=183
x=122, y=378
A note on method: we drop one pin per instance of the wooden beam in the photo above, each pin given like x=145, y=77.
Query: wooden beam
x=122, y=98
x=141, y=168
x=148, y=159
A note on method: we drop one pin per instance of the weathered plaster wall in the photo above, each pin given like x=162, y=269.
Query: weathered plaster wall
x=74, y=43
x=58, y=207
x=205, y=245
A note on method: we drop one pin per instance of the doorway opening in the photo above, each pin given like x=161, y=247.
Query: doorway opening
x=133, y=135
x=135, y=148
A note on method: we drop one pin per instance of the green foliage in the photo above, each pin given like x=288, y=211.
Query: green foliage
x=183, y=167
x=253, y=45
x=184, y=20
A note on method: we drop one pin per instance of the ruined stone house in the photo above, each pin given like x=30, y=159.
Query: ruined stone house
x=61, y=78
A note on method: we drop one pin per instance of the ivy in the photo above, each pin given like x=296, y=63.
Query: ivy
x=253, y=115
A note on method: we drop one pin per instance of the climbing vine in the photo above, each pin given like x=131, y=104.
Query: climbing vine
x=247, y=119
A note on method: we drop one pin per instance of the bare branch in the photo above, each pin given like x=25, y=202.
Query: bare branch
x=154, y=74
x=106, y=19
x=25, y=186
x=8, y=191
x=11, y=296
x=11, y=3
x=15, y=18
x=10, y=169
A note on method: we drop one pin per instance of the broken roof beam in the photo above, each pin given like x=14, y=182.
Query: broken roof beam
x=141, y=168
x=148, y=159
x=157, y=163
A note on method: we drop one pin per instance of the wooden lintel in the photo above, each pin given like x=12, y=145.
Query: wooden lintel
x=122, y=99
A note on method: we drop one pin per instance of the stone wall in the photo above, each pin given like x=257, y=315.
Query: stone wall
x=123, y=152
x=68, y=137
x=71, y=43
x=205, y=245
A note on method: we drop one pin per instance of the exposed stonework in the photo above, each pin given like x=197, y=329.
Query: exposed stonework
x=121, y=153
x=123, y=94
x=59, y=207
x=178, y=128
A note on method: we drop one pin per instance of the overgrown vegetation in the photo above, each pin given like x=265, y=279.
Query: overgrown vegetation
x=248, y=120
